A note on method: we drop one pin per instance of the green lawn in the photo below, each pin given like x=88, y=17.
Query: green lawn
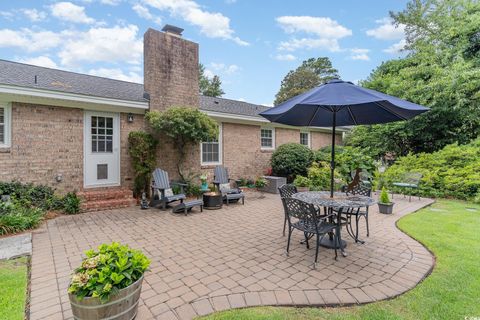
x=451, y=229
x=13, y=286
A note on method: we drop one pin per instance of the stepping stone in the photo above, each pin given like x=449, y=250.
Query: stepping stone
x=15, y=246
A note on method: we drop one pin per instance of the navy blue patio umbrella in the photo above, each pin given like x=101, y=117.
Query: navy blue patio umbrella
x=341, y=103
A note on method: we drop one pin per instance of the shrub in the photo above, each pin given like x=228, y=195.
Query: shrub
x=141, y=148
x=185, y=126
x=291, y=159
x=104, y=272
x=260, y=182
x=347, y=160
x=450, y=172
x=301, y=181
x=15, y=218
x=29, y=195
x=319, y=176
x=384, y=197
x=71, y=203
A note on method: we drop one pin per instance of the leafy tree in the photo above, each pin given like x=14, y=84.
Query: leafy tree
x=308, y=75
x=185, y=126
x=441, y=71
x=141, y=148
x=209, y=87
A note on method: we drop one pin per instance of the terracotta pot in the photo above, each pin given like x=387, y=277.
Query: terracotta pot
x=121, y=306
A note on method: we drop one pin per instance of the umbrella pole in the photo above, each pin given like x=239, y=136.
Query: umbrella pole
x=332, y=164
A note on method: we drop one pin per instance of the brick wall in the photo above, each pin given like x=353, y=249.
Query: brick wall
x=46, y=141
x=243, y=156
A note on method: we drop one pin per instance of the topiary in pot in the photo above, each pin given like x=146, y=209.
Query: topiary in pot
x=108, y=283
x=385, y=206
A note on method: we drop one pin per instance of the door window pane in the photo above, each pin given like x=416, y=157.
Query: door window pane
x=102, y=134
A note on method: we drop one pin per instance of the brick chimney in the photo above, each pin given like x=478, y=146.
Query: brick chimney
x=170, y=69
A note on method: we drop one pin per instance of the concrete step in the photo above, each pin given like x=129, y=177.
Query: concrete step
x=105, y=194
x=108, y=204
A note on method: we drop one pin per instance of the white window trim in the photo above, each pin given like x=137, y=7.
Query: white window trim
x=220, y=149
x=309, y=137
x=273, y=138
x=7, y=114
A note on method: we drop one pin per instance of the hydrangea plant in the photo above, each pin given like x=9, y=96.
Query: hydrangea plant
x=104, y=272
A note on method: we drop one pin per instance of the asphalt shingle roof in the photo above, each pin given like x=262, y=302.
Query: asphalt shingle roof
x=25, y=75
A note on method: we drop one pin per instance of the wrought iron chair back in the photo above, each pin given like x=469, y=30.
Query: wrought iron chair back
x=360, y=190
x=287, y=190
x=300, y=210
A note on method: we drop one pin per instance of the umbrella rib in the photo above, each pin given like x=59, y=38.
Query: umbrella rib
x=390, y=111
x=352, y=116
x=314, y=115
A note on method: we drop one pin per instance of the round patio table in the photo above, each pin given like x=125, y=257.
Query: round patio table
x=340, y=201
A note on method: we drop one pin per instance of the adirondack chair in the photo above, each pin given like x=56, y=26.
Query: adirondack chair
x=229, y=194
x=409, y=181
x=221, y=177
x=161, y=188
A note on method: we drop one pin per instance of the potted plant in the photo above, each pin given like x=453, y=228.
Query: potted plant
x=203, y=179
x=302, y=183
x=261, y=183
x=108, y=283
x=384, y=204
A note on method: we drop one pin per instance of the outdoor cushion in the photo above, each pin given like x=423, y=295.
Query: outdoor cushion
x=225, y=187
x=168, y=192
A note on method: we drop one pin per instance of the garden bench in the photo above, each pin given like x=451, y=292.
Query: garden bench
x=410, y=181
x=187, y=206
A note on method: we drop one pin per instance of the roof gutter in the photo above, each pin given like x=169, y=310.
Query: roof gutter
x=78, y=100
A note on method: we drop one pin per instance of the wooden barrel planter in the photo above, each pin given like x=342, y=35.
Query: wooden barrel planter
x=121, y=306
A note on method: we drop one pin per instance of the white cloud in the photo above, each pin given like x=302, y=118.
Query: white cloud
x=309, y=43
x=29, y=40
x=323, y=27
x=70, y=12
x=118, y=74
x=230, y=1
x=223, y=68
x=116, y=44
x=285, y=57
x=396, y=47
x=323, y=32
x=34, y=15
x=387, y=30
x=359, y=54
x=144, y=13
x=110, y=2
x=208, y=73
x=42, y=61
x=211, y=24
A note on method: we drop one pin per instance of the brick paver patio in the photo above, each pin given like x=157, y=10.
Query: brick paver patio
x=228, y=258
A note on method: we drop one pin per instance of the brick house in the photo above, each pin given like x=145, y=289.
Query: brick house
x=70, y=130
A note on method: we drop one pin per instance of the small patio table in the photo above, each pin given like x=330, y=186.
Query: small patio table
x=340, y=202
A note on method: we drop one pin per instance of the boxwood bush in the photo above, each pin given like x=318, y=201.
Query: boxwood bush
x=453, y=172
x=290, y=160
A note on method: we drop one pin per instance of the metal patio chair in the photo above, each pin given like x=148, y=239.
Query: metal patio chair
x=409, y=181
x=357, y=213
x=286, y=191
x=303, y=217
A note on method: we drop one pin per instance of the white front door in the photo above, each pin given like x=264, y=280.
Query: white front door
x=101, y=149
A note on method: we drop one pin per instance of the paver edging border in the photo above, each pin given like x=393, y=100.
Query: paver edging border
x=334, y=305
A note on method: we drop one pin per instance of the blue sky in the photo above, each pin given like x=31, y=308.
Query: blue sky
x=250, y=44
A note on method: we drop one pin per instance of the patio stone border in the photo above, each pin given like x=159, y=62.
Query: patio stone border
x=160, y=300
